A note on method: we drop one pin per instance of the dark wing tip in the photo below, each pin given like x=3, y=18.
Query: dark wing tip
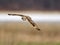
x=9, y=14
x=38, y=29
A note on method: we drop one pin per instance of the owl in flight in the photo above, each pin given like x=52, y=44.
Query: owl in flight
x=24, y=18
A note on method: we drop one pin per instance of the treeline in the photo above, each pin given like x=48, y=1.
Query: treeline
x=30, y=4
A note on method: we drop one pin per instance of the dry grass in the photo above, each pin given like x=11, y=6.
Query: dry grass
x=19, y=32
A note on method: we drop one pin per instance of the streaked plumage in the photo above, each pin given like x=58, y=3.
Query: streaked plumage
x=28, y=18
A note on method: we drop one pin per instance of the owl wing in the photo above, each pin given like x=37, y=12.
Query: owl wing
x=32, y=22
x=29, y=20
x=16, y=15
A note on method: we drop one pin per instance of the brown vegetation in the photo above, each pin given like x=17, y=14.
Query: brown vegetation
x=20, y=32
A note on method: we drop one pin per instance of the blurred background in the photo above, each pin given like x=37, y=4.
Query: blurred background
x=22, y=33
x=30, y=4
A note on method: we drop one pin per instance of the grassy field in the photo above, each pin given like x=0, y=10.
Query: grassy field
x=34, y=43
x=20, y=34
x=30, y=43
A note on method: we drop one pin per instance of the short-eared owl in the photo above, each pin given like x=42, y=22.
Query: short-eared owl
x=28, y=18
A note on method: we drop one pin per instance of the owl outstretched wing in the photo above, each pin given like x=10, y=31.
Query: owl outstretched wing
x=29, y=20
